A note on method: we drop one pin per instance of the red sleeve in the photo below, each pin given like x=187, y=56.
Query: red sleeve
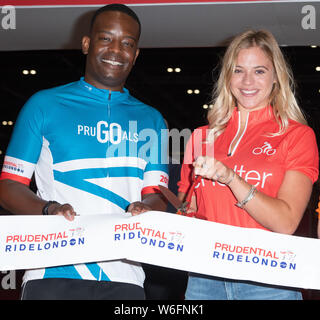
x=303, y=154
x=10, y=176
x=186, y=169
x=194, y=148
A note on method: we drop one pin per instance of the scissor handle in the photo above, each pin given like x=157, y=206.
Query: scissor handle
x=189, y=195
x=186, y=205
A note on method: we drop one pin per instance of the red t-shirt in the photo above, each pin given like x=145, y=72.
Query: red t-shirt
x=259, y=159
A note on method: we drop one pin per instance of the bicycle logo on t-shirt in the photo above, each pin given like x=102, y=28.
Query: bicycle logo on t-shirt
x=266, y=148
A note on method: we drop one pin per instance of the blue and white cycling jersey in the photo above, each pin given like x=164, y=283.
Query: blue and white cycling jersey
x=98, y=150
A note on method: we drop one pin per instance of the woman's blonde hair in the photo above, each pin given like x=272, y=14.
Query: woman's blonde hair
x=282, y=97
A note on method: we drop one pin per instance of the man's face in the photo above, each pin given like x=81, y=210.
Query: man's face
x=111, y=49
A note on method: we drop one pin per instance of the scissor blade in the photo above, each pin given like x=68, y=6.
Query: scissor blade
x=171, y=197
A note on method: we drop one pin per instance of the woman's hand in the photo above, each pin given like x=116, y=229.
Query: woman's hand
x=213, y=169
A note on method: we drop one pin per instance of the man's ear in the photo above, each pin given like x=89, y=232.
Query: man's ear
x=85, y=44
x=137, y=53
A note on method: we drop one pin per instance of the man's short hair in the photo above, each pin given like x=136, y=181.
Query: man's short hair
x=116, y=7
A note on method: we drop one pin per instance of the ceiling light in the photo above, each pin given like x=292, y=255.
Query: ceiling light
x=205, y=106
x=170, y=70
x=318, y=68
x=32, y=71
x=195, y=91
x=10, y=123
x=313, y=46
x=4, y=123
x=177, y=69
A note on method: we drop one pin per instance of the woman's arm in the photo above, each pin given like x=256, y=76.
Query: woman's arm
x=282, y=213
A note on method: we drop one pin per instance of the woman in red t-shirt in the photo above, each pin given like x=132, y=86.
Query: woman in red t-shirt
x=258, y=159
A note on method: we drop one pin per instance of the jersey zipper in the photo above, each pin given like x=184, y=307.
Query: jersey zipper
x=231, y=152
x=108, y=145
x=109, y=107
x=108, y=121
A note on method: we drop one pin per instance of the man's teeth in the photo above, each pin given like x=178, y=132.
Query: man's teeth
x=114, y=63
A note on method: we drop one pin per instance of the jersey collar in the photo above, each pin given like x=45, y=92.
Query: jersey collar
x=259, y=115
x=104, y=94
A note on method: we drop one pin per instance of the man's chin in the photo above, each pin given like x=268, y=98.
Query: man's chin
x=111, y=83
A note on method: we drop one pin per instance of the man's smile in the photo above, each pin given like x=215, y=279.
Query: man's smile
x=112, y=62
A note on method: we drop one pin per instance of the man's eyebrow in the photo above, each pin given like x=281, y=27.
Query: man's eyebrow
x=110, y=32
x=104, y=31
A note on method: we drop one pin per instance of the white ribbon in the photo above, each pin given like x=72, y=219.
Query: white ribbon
x=162, y=239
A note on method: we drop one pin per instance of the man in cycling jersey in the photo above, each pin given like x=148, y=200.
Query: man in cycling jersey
x=82, y=141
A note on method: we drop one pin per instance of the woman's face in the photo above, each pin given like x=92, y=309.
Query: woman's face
x=252, y=80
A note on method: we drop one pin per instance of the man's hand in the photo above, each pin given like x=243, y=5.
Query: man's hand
x=65, y=210
x=150, y=201
x=138, y=207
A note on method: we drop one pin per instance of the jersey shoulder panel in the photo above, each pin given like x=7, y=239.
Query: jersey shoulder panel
x=301, y=150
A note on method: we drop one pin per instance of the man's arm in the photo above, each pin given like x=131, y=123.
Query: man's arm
x=17, y=198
